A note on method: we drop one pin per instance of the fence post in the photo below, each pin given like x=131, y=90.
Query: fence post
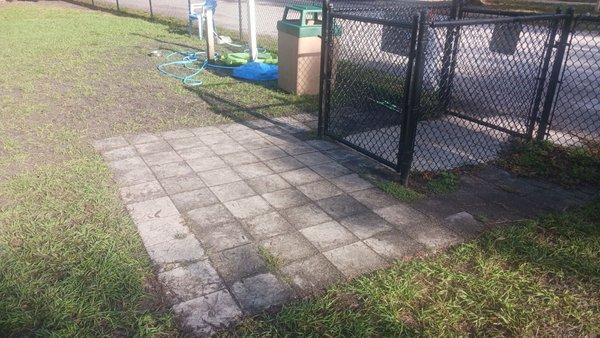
x=325, y=71
x=412, y=103
x=555, y=75
x=118, y=8
x=151, y=11
x=240, y=18
x=450, y=45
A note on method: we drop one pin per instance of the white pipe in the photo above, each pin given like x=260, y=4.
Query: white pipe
x=252, y=29
x=210, y=37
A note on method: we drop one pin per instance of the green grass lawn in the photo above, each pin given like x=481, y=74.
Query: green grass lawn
x=538, y=278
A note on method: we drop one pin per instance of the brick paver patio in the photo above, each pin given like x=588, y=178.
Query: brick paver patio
x=242, y=217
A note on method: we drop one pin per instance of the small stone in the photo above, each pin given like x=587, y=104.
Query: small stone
x=464, y=224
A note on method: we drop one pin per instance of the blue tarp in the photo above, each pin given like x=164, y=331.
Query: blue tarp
x=255, y=71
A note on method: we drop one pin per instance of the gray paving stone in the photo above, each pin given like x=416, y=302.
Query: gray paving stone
x=312, y=274
x=142, y=192
x=233, y=127
x=187, y=142
x=120, y=153
x=342, y=154
x=296, y=148
x=127, y=164
x=282, y=164
x=319, y=190
x=252, y=170
x=286, y=198
x=433, y=236
x=267, y=225
x=260, y=292
x=154, y=147
x=330, y=170
x=175, y=134
x=176, y=250
x=232, y=191
x=110, y=143
x=226, y=148
x=355, y=259
x=239, y=262
x=304, y=216
x=152, y=209
x=208, y=217
x=366, y=224
x=142, y=138
x=374, y=198
x=351, y=182
x=175, y=185
x=288, y=247
x=215, y=138
x=300, y=176
x=206, y=164
x=341, y=206
x=328, y=235
x=189, y=200
x=245, y=135
x=134, y=176
x=464, y=224
x=394, y=245
x=206, y=130
x=266, y=184
x=189, y=281
x=222, y=237
x=162, y=230
x=322, y=144
x=239, y=158
x=172, y=169
x=208, y=314
x=256, y=143
x=248, y=207
x=314, y=158
x=269, y=153
x=162, y=158
x=201, y=152
x=258, y=124
x=403, y=216
x=219, y=177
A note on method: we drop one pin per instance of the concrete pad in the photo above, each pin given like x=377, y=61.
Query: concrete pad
x=208, y=130
x=239, y=262
x=154, y=147
x=142, y=192
x=366, y=224
x=433, y=236
x=176, y=250
x=248, y=207
x=260, y=292
x=267, y=184
x=355, y=259
x=267, y=225
x=312, y=274
x=284, y=164
x=341, y=206
x=268, y=153
x=208, y=314
x=464, y=224
x=172, y=169
x=152, y=209
x=162, y=230
x=256, y=143
x=296, y=148
x=350, y=183
x=286, y=198
x=403, y=216
x=162, y=158
x=208, y=217
x=394, y=245
x=252, y=170
x=239, y=158
x=328, y=235
x=288, y=247
x=215, y=138
x=189, y=200
x=134, y=176
x=233, y=127
x=226, y=148
x=120, y=153
x=193, y=153
x=175, y=185
x=300, y=176
x=305, y=216
x=232, y=191
x=374, y=198
x=319, y=190
x=313, y=158
x=222, y=237
x=187, y=142
x=142, y=138
x=322, y=144
x=189, y=281
x=127, y=164
x=175, y=134
x=203, y=164
x=219, y=177
x=110, y=143
x=330, y=170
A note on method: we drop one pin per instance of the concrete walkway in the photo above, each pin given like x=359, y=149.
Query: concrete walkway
x=240, y=218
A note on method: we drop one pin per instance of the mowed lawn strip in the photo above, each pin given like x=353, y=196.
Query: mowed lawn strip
x=538, y=278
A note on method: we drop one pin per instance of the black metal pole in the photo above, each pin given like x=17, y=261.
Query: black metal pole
x=444, y=94
x=118, y=8
x=151, y=11
x=324, y=72
x=542, y=75
x=554, y=76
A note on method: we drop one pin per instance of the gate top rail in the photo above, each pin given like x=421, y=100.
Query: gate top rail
x=482, y=10
x=471, y=22
x=379, y=21
x=588, y=17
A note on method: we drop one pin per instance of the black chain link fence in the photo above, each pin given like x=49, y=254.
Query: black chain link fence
x=434, y=86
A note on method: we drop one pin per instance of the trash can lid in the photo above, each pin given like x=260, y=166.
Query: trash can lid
x=306, y=24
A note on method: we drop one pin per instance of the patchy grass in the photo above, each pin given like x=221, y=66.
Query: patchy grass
x=567, y=166
x=534, y=278
x=397, y=190
x=443, y=183
x=273, y=262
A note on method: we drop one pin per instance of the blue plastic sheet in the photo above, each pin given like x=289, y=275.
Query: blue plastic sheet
x=255, y=71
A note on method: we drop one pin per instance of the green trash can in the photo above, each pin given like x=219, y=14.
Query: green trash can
x=299, y=49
